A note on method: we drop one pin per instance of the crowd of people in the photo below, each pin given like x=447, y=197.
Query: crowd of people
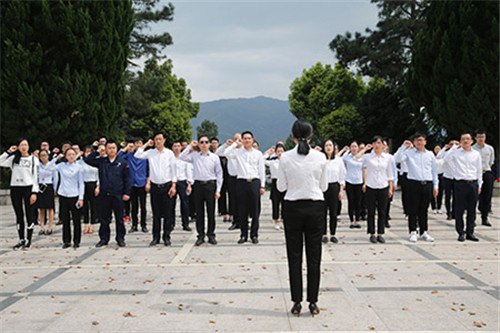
x=307, y=188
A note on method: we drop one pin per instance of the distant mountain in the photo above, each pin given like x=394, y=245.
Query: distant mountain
x=269, y=119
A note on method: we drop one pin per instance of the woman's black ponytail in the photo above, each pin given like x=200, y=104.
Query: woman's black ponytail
x=302, y=130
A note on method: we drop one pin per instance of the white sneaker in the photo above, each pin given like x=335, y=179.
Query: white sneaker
x=413, y=236
x=426, y=237
x=277, y=226
x=281, y=225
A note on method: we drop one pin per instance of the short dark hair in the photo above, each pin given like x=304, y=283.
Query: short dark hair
x=247, y=132
x=159, y=133
x=137, y=139
x=419, y=135
x=479, y=131
x=214, y=138
x=111, y=141
x=202, y=136
x=279, y=145
x=67, y=142
x=465, y=133
x=376, y=138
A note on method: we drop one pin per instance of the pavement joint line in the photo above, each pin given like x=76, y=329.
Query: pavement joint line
x=184, y=251
x=223, y=264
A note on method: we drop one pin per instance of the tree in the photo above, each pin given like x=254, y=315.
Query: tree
x=208, y=128
x=62, y=67
x=141, y=43
x=341, y=125
x=321, y=90
x=159, y=101
x=454, y=71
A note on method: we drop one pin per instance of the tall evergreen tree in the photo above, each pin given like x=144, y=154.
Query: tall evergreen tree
x=208, y=128
x=62, y=68
x=454, y=72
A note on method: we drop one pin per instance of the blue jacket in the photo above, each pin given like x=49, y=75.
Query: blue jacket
x=139, y=169
x=113, y=177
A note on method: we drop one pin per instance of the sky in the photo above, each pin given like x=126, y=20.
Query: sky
x=231, y=49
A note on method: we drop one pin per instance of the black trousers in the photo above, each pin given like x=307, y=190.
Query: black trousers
x=331, y=204
x=303, y=220
x=233, y=200
x=222, y=203
x=437, y=201
x=376, y=198
x=465, y=199
x=486, y=194
x=89, y=208
x=354, y=192
x=161, y=205
x=108, y=204
x=68, y=207
x=419, y=197
x=277, y=198
x=138, y=200
x=448, y=184
x=248, y=194
x=204, y=195
x=181, y=187
x=403, y=184
x=20, y=196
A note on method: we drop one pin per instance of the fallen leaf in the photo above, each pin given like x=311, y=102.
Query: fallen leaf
x=477, y=324
x=211, y=321
x=404, y=309
x=434, y=292
x=95, y=323
x=472, y=313
x=371, y=328
x=57, y=313
x=127, y=314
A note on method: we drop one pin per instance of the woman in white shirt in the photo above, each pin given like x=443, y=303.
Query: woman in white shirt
x=276, y=196
x=377, y=184
x=336, y=181
x=23, y=188
x=302, y=174
x=436, y=202
x=354, y=185
x=46, y=177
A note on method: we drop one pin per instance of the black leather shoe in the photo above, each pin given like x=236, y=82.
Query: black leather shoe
x=19, y=245
x=187, y=228
x=313, y=308
x=200, y=241
x=167, y=242
x=449, y=218
x=242, y=240
x=324, y=239
x=27, y=245
x=296, y=309
x=380, y=239
x=133, y=229
x=471, y=237
x=66, y=245
x=461, y=238
x=255, y=240
x=387, y=225
x=120, y=243
x=334, y=239
x=211, y=240
x=76, y=246
x=154, y=242
x=486, y=223
x=373, y=239
x=101, y=243
x=357, y=226
x=233, y=227
x=144, y=229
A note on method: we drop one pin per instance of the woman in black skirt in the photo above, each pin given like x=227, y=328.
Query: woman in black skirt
x=276, y=196
x=302, y=174
x=47, y=174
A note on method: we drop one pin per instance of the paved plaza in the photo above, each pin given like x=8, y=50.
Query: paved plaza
x=397, y=286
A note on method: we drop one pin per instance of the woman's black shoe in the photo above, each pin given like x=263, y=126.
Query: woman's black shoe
x=324, y=239
x=334, y=239
x=313, y=308
x=296, y=309
x=19, y=245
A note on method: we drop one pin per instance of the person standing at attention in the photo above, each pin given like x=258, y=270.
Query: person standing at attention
x=302, y=174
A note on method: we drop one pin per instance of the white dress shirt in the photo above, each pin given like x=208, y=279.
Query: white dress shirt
x=231, y=163
x=447, y=164
x=487, y=153
x=422, y=166
x=184, y=170
x=303, y=177
x=162, y=168
x=468, y=164
x=249, y=163
x=273, y=167
x=205, y=166
x=354, y=170
x=378, y=170
x=70, y=183
x=335, y=170
x=47, y=173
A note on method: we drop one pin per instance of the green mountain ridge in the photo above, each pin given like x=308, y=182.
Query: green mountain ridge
x=269, y=119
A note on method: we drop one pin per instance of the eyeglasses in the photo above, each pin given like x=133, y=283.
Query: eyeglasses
x=204, y=141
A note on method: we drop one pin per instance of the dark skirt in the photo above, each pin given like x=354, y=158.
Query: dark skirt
x=45, y=199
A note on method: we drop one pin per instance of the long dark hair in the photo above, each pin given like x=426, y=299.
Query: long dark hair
x=302, y=130
x=17, y=153
x=324, y=151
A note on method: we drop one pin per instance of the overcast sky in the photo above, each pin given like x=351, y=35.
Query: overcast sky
x=229, y=49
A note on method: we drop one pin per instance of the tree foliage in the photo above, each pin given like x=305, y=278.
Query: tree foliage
x=143, y=43
x=62, y=66
x=208, y=128
x=342, y=124
x=454, y=71
x=159, y=101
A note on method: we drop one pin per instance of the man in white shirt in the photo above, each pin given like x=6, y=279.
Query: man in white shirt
x=487, y=159
x=183, y=187
x=250, y=184
x=163, y=176
x=468, y=180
